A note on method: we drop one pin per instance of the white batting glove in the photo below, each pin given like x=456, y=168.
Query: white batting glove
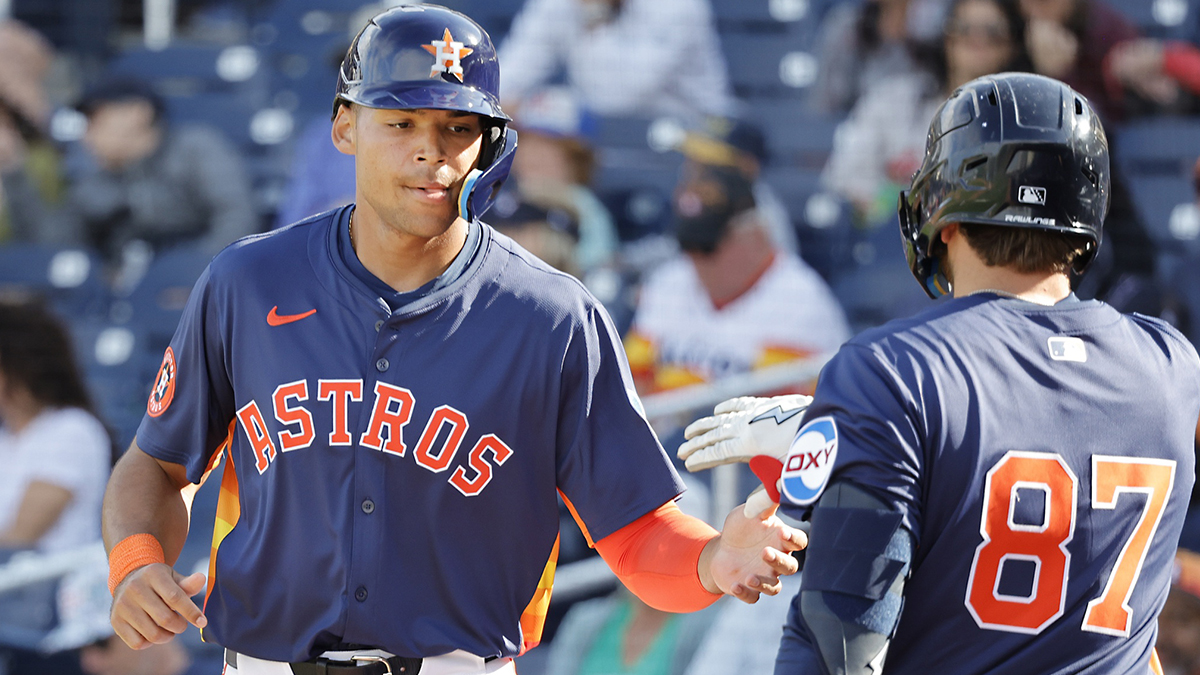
x=742, y=428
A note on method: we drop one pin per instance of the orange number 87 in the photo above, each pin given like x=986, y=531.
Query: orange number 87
x=1045, y=544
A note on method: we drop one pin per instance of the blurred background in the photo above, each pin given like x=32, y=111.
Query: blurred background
x=721, y=174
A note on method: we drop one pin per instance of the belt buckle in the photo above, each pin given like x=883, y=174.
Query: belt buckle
x=378, y=659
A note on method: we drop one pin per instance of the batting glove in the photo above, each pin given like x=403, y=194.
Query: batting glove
x=748, y=429
x=742, y=428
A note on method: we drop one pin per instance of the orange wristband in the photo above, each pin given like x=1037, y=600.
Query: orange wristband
x=132, y=552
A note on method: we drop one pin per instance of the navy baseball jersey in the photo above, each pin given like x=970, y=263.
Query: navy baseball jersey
x=394, y=459
x=1041, y=457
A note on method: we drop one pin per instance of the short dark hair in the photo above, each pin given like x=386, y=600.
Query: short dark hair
x=1026, y=250
x=36, y=353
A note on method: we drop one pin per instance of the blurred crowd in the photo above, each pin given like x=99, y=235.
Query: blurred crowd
x=722, y=174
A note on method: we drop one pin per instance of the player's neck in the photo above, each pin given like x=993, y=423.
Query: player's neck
x=402, y=260
x=973, y=276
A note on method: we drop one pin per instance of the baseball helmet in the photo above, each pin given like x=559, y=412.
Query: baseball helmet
x=1014, y=150
x=427, y=56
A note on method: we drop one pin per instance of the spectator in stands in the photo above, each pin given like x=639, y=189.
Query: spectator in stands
x=554, y=166
x=622, y=57
x=862, y=44
x=1070, y=40
x=28, y=159
x=740, y=145
x=1155, y=76
x=55, y=453
x=877, y=150
x=321, y=177
x=149, y=183
x=546, y=227
x=731, y=302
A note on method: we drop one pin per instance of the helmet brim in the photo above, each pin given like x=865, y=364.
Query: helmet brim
x=428, y=94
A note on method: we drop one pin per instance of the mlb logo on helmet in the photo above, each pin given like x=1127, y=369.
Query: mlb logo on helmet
x=448, y=55
x=1032, y=195
x=810, y=461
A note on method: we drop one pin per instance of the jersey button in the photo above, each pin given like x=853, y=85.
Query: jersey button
x=381, y=365
x=378, y=325
x=360, y=594
x=368, y=506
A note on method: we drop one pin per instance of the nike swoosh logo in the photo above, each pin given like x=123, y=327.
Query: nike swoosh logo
x=280, y=319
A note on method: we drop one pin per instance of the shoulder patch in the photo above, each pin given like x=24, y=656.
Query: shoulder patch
x=810, y=461
x=164, y=386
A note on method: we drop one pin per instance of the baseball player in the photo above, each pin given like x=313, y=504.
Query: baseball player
x=400, y=394
x=996, y=485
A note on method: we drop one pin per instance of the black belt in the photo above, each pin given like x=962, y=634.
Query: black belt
x=395, y=665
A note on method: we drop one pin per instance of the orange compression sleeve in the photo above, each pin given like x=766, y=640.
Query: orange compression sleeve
x=657, y=557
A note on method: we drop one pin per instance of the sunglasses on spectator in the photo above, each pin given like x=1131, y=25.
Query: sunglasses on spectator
x=992, y=32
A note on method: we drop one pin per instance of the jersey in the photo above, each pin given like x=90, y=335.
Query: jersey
x=393, y=474
x=1041, y=457
x=679, y=338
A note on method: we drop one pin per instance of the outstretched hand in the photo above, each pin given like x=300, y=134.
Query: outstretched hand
x=750, y=555
x=154, y=604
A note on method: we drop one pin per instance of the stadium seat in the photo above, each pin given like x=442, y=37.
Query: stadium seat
x=112, y=361
x=762, y=64
x=1168, y=19
x=823, y=221
x=796, y=136
x=1156, y=157
x=877, y=286
x=156, y=303
x=69, y=279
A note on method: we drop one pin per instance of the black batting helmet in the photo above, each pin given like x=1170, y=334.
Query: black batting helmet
x=427, y=56
x=1014, y=150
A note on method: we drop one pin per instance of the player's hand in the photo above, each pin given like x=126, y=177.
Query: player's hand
x=154, y=604
x=742, y=428
x=750, y=555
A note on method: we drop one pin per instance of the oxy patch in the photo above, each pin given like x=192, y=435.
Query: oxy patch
x=810, y=461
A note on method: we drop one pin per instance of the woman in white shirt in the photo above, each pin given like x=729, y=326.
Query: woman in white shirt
x=55, y=454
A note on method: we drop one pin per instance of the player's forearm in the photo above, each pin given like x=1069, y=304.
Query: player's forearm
x=660, y=558
x=143, y=498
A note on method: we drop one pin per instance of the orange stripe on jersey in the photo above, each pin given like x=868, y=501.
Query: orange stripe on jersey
x=228, y=508
x=578, y=521
x=533, y=619
x=1155, y=664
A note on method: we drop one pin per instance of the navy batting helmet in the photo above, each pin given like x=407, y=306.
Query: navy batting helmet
x=426, y=56
x=1014, y=150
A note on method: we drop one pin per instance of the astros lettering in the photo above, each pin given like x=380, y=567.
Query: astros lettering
x=391, y=411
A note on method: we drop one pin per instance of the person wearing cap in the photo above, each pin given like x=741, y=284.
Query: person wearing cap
x=634, y=58
x=399, y=394
x=731, y=301
x=147, y=183
x=739, y=144
x=555, y=165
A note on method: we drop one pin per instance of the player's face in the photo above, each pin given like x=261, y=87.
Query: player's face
x=410, y=164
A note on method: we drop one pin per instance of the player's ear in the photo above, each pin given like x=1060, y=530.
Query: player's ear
x=948, y=232
x=343, y=129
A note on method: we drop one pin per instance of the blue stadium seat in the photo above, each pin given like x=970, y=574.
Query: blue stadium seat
x=156, y=303
x=823, y=220
x=69, y=279
x=762, y=64
x=796, y=136
x=1156, y=157
x=112, y=359
x=1168, y=19
x=877, y=285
